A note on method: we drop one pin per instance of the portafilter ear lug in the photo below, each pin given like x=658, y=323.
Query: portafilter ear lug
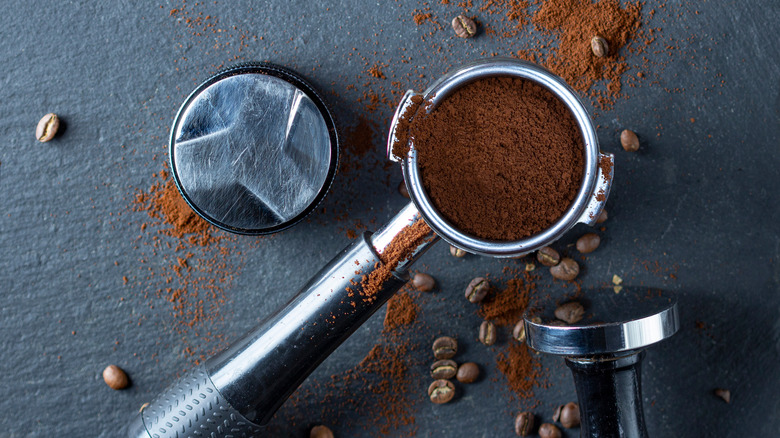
x=405, y=103
x=601, y=193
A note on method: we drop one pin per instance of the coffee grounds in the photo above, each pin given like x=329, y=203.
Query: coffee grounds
x=399, y=249
x=401, y=310
x=501, y=158
x=522, y=371
x=505, y=307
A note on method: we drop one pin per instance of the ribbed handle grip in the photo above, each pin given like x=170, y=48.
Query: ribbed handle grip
x=191, y=407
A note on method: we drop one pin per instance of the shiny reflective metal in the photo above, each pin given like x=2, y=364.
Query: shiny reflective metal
x=590, y=198
x=253, y=149
x=614, y=323
x=604, y=352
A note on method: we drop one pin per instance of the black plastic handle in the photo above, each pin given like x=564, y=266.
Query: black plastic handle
x=609, y=391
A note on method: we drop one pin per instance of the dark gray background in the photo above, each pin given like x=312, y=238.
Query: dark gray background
x=698, y=204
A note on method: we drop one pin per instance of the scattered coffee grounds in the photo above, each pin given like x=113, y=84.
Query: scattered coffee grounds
x=401, y=310
x=195, y=271
x=501, y=158
x=399, y=249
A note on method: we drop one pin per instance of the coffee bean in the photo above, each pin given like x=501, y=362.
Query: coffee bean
x=441, y=391
x=567, y=270
x=570, y=415
x=444, y=347
x=599, y=46
x=403, y=191
x=557, y=414
x=487, y=333
x=524, y=423
x=724, y=394
x=457, y=252
x=519, y=331
x=603, y=216
x=588, y=243
x=477, y=289
x=629, y=141
x=570, y=312
x=444, y=369
x=468, y=373
x=47, y=127
x=115, y=377
x=464, y=26
x=320, y=432
x=548, y=256
x=423, y=282
x=548, y=430
x=557, y=323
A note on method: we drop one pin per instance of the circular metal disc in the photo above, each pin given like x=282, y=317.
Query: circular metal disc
x=613, y=323
x=253, y=149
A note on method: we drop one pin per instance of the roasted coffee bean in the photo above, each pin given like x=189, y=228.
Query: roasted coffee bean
x=557, y=414
x=557, y=323
x=603, y=216
x=423, y=282
x=457, y=252
x=477, y=289
x=567, y=269
x=570, y=312
x=519, y=331
x=588, y=243
x=403, y=191
x=524, y=423
x=629, y=141
x=548, y=256
x=115, y=377
x=468, y=373
x=441, y=391
x=320, y=432
x=599, y=46
x=444, y=347
x=570, y=415
x=444, y=369
x=464, y=26
x=724, y=394
x=47, y=127
x=548, y=430
x=487, y=333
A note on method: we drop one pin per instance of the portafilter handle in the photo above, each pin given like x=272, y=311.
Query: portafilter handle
x=239, y=389
x=604, y=351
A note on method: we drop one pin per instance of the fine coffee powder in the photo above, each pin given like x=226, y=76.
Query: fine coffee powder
x=501, y=158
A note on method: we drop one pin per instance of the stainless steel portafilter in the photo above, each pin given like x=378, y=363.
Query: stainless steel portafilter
x=252, y=150
x=604, y=351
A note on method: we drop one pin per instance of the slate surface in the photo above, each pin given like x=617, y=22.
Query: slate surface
x=695, y=212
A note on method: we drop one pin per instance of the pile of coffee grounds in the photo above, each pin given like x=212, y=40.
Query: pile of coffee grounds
x=501, y=158
x=522, y=371
x=399, y=249
x=401, y=310
x=574, y=23
x=505, y=307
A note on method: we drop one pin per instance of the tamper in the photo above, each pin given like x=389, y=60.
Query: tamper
x=604, y=351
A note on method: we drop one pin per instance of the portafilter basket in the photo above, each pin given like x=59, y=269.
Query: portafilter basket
x=239, y=389
x=597, y=172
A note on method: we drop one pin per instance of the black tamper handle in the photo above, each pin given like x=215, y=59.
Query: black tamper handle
x=609, y=392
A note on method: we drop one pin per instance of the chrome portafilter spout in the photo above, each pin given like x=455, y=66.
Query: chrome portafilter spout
x=253, y=150
x=604, y=351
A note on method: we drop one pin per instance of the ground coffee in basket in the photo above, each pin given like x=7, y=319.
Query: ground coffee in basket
x=501, y=158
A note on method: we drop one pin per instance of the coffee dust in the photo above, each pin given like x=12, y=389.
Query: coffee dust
x=501, y=158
